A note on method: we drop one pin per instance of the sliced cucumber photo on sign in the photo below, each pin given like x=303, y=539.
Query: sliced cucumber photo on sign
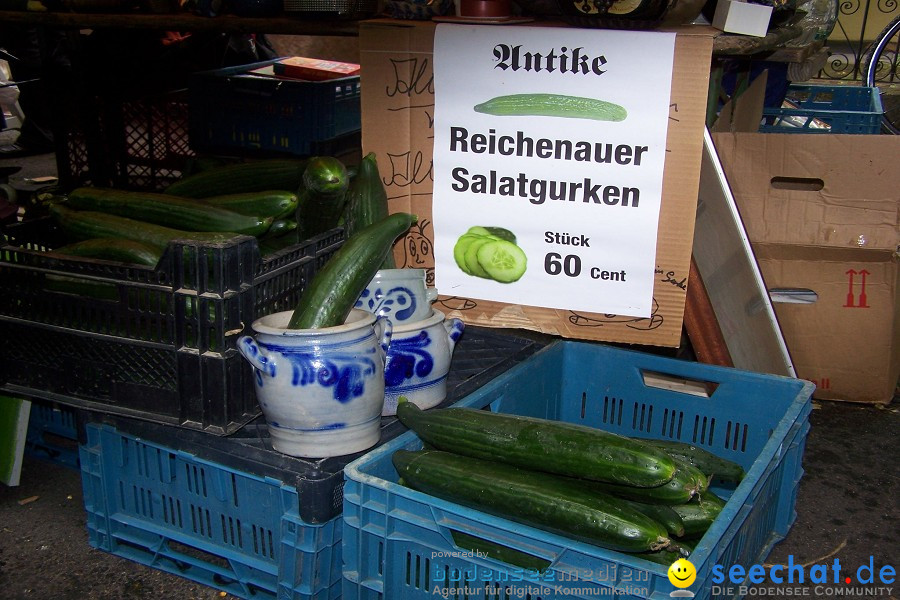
x=504, y=261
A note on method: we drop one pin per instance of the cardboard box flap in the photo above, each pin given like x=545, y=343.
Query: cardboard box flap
x=805, y=189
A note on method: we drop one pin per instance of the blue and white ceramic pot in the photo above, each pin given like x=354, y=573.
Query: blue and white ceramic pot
x=320, y=390
x=401, y=295
x=418, y=361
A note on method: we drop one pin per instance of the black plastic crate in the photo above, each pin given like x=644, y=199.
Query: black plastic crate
x=480, y=355
x=138, y=143
x=151, y=343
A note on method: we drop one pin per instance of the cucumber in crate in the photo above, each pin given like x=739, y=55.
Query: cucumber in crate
x=400, y=542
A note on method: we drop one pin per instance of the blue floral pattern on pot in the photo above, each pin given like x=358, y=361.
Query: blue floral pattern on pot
x=346, y=374
x=410, y=357
x=418, y=361
x=397, y=303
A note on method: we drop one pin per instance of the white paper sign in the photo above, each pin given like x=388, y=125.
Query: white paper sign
x=550, y=143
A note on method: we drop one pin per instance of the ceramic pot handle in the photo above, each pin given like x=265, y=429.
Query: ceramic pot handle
x=384, y=329
x=255, y=355
x=431, y=294
x=455, y=328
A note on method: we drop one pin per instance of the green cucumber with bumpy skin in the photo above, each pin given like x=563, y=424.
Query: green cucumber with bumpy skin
x=704, y=460
x=277, y=204
x=553, y=105
x=552, y=446
x=117, y=249
x=253, y=176
x=698, y=514
x=686, y=484
x=662, y=514
x=367, y=201
x=87, y=224
x=166, y=210
x=534, y=498
x=335, y=288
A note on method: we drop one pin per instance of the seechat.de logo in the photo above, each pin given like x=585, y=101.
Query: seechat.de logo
x=682, y=574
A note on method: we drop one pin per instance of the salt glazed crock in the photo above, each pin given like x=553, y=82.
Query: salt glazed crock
x=418, y=361
x=321, y=390
x=402, y=295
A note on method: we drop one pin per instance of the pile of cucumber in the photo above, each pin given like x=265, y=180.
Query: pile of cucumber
x=627, y=494
x=281, y=202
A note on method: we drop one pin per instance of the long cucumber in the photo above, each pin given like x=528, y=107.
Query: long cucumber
x=87, y=224
x=687, y=483
x=552, y=446
x=335, y=288
x=539, y=499
x=553, y=105
x=706, y=461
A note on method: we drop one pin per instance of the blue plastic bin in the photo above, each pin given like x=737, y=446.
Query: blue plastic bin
x=229, y=511
x=52, y=434
x=826, y=109
x=234, y=109
x=398, y=543
x=204, y=521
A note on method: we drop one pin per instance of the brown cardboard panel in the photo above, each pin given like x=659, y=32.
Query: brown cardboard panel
x=848, y=340
x=837, y=238
x=397, y=125
x=817, y=190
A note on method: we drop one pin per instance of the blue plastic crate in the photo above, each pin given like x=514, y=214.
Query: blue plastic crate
x=399, y=543
x=201, y=520
x=234, y=109
x=826, y=109
x=52, y=434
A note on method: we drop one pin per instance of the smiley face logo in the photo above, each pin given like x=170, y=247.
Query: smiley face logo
x=682, y=573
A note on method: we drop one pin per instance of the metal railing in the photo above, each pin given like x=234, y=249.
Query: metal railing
x=857, y=25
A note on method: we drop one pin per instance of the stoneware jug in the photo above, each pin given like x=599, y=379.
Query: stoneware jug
x=418, y=361
x=402, y=295
x=320, y=390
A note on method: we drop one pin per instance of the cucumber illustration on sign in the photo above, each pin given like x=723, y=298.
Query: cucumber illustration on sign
x=552, y=105
x=491, y=253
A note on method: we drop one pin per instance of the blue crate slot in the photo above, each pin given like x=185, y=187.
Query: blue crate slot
x=233, y=531
x=399, y=543
x=827, y=109
x=52, y=434
x=234, y=109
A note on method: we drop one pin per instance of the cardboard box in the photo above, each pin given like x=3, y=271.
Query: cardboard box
x=737, y=16
x=821, y=213
x=397, y=125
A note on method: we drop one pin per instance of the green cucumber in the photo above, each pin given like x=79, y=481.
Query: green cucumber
x=552, y=105
x=87, y=224
x=686, y=484
x=279, y=228
x=254, y=176
x=322, y=197
x=166, y=210
x=706, y=461
x=697, y=515
x=367, y=201
x=662, y=514
x=552, y=446
x=117, y=249
x=277, y=204
x=502, y=261
x=335, y=288
x=538, y=499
